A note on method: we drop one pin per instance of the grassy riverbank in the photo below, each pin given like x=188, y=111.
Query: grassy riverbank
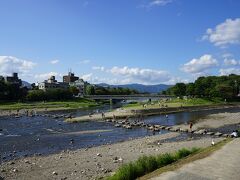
x=156, y=165
x=51, y=105
x=176, y=103
x=156, y=108
x=147, y=164
x=203, y=153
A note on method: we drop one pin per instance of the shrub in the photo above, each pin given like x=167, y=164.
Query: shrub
x=146, y=164
x=182, y=153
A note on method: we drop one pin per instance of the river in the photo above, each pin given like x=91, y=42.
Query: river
x=26, y=136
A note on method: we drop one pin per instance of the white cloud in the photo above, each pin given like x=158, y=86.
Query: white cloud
x=54, y=61
x=45, y=76
x=229, y=71
x=100, y=68
x=86, y=61
x=227, y=55
x=87, y=77
x=146, y=76
x=201, y=65
x=231, y=62
x=10, y=64
x=126, y=75
x=153, y=3
x=159, y=2
x=225, y=33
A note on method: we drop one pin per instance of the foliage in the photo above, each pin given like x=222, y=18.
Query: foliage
x=11, y=91
x=146, y=164
x=90, y=90
x=99, y=90
x=225, y=87
x=51, y=94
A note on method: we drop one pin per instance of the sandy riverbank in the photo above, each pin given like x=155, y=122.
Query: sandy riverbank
x=215, y=121
x=94, y=162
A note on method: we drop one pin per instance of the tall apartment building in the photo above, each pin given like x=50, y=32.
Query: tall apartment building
x=70, y=78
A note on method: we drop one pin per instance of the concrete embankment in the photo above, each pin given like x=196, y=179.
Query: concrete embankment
x=125, y=113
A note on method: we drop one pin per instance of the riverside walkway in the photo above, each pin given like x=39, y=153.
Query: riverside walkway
x=222, y=164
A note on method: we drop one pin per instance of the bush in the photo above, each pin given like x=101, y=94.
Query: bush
x=182, y=153
x=147, y=164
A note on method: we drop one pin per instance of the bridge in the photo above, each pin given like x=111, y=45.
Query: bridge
x=127, y=97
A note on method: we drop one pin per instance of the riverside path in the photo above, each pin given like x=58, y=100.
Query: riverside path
x=222, y=164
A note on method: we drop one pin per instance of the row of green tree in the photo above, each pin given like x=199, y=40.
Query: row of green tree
x=14, y=92
x=226, y=87
x=10, y=91
x=99, y=90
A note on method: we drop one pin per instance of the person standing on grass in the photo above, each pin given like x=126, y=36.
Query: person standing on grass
x=190, y=126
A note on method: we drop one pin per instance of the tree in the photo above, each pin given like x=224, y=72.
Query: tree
x=190, y=89
x=225, y=91
x=179, y=89
x=90, y=90
x=74, y=90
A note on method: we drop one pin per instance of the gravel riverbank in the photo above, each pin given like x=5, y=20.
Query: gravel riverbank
x=102, y=161
x=94, y=162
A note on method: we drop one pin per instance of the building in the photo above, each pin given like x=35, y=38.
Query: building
x=13, y=79
x=52, y=83
x=80, y=84
x=70, y=78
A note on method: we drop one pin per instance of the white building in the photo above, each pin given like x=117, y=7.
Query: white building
x=80, y=84
x=52, y=83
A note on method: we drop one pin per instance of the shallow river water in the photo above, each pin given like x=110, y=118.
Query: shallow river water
x=37, y=135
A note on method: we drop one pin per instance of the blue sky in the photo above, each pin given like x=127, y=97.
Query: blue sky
x=120, y=42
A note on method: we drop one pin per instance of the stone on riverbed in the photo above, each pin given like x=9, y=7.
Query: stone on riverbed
x=210, y=133
x=218, y=134
x=225, y=135
x=201, y=131
x=117, y=125
x=168, y=128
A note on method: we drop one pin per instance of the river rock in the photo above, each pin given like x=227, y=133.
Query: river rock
x=201, y=131
x=129, y=127
x=117, y=125
x=15, y=170
x=163, y=127
x=157, y=126
x=151, y=128
x=218, y=134
x=168, y=128
x=210, y=133
x=225, y=135
x=176, y=129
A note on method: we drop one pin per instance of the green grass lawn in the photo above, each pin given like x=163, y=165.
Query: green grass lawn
x=176, y=103
x=73, y=104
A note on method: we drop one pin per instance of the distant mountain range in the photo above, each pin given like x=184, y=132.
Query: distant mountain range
x=140, y=87
x=26, y=84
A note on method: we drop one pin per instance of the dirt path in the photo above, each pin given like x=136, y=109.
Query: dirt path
x=223, y=164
